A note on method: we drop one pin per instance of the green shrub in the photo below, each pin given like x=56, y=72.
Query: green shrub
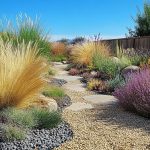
x=115, y=82
x=11, y=132
x=124, y=62
x=20, y=117
x=46, y=119
x=32, y=118
x=106, y=65
x=137, y=59
x=54, y=92
x=51, y=72
x=131, y=60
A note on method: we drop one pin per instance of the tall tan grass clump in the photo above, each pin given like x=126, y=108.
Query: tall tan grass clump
x=82, y=54
x=21, y=72
x=58, y=48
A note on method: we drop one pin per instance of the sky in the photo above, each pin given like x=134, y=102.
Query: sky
x=72, y=18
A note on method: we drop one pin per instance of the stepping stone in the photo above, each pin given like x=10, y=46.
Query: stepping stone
x=57, y=63
x=100, y=99
x=68, y=78
x=79, y=106
x=60, y=66
x=62, y=72
x=75, y=87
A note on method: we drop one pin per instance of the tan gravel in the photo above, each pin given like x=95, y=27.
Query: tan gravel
x=106, y=127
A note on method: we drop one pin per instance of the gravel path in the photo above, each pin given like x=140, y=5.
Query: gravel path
x=105, y=127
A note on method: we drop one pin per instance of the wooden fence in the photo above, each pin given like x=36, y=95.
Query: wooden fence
x=137, y=43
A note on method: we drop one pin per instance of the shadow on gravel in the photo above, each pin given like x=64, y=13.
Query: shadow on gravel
x=115, y=115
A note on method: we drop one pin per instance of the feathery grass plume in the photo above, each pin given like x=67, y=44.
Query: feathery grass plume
x=31, y=30
x=20, y=73
x=82, y=54
x=26, y=29
x=58, y=48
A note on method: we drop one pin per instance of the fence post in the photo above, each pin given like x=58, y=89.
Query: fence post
x=117, y=51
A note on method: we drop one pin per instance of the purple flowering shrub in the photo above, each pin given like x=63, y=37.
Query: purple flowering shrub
x=135, y=94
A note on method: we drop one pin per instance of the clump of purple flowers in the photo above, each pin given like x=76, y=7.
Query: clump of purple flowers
x=135, y=94
x=73, y=71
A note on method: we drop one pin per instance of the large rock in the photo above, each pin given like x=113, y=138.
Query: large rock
x=115, y=59
x=128, y=70
x=46, y=102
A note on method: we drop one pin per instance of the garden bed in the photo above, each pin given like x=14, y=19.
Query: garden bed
x=41, y=139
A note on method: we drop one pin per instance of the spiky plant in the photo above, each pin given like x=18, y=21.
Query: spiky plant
x=20, y=73
x=82, y=54
x=97, y=85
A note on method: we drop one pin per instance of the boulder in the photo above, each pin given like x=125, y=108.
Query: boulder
x=128, y=70
x=46, y=102
x=115, y=59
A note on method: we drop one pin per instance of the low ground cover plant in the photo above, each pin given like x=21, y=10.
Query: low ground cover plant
x=97, y=85
x=74, y=71
x=116, y=82
x=54, y=92
x=46, y=119
x=11, y=132
x=19, y=121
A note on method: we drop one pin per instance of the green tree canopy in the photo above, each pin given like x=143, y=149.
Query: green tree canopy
x=142, y=21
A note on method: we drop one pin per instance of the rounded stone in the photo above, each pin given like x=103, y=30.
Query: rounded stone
x=126, y=72
x=46, y=102
x=115, y=59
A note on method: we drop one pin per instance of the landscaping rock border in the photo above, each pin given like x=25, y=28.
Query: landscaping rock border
x=64, y=102
x=58, y=82
x=41, y=139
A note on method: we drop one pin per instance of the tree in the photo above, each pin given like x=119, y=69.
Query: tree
x=64, y=41
x=78, y=40
x=142, y=21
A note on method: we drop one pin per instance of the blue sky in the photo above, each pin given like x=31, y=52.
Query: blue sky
x=70, y=18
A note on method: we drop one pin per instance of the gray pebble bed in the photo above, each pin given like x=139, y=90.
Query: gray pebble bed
x=58, y=82
x=41, y=139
